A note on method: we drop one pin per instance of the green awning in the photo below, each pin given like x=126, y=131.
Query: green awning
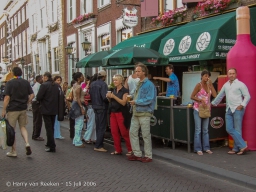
x=205, y=39
x=93, y=60
x=149, y=40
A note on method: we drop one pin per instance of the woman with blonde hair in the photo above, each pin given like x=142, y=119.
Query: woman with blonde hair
x=119, y=122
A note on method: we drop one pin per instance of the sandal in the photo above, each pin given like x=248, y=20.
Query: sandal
x=129, y=153
x=232, y=152
x=242, y=151
x=209, y=151
x=115, y=153
x=199, y=153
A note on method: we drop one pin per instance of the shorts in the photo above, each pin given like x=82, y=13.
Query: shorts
x=20, y=116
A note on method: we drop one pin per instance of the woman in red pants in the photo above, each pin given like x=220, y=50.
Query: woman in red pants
x=119, y=116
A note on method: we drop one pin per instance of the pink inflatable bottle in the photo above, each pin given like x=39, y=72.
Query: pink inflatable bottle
x=243, y=57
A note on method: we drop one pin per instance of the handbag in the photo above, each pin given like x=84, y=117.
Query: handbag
x=70, y=96
x=204, y=111
x=10, y=134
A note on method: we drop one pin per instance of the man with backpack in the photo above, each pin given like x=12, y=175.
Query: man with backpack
x=18, y=93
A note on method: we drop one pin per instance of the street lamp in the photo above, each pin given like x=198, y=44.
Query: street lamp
x=86, y=45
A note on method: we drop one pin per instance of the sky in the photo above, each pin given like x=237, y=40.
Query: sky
x=3, y=2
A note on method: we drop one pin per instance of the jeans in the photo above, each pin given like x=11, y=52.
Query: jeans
x=57, y=128
x=234, y=128
x=79, y=124
x=90, y=133
x=201, y=124
x=143, y=123
x=101, y=124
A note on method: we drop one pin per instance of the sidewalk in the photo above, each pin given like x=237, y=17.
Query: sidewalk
x=238, y=169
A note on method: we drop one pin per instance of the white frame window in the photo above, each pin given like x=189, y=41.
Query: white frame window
x=71, y=10
x=86, y=6
x=34, y=23
x=42, y=11
x=169, y=4
x=56, y=59
x=124, y=34
x=19, y=18
x=105, y=42
x=28, y=42
x=15, y=22
x=102, y=3
x=54, y=11
x=23, y=19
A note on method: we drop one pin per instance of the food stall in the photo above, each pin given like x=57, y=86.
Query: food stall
x=175, y=123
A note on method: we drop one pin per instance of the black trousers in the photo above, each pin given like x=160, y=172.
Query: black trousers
x=37, y=120
x=101, y=123
x=71, y=128
x=49, y=121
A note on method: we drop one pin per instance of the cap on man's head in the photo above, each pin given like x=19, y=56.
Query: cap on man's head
x=102, y=73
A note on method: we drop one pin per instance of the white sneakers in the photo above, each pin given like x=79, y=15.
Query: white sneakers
x=11, y=154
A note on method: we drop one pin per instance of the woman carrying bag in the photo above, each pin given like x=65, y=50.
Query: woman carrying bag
x=202, y=107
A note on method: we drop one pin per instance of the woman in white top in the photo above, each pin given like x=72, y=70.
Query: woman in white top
x=131, y=83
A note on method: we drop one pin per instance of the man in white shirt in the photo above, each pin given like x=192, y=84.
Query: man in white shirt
x=237, y=97
x=37, y=116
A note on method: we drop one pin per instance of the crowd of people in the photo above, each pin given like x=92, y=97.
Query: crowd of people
x=130, y=106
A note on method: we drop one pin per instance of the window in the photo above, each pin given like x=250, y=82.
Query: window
x=23, y=15
x=125, y=34
x=24, y=34
x=86, y=6
x=28, y=42
x=71, y=10
x=102, y=3
x=169, y=5
x=42, y=17
x=15, y=22
x=54, y=11
x=56, y=60
x=37, y=68
x=105, y=43
x=19, y=19
x=34, y=23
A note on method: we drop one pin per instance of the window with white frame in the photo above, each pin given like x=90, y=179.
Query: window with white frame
x=37, y=69
x=169, y=4
x=15, y=22
x=124, y=34
x=23, y=15
x=16, y=47
x=56, y=59
x=4, y=31
x=86, y=6
x=42, y=13
x=24, y=42
x=54, y=10
x=34, y=23
x=19, y=18
x=105, y=42
x=28, y=42
x=71, y=10
x=102, y=3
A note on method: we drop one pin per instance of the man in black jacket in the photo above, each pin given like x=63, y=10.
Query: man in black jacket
x=98, y=91
x=48, y=96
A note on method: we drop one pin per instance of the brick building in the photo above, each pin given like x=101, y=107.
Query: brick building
x=103, y=28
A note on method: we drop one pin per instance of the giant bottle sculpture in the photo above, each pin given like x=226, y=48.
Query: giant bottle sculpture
x=243, y=57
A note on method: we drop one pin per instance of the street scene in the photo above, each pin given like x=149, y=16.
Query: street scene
x=73, y=169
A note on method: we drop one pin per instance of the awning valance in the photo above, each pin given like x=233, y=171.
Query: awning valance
x=150, y=40
x=204, y=39
x=104, y=30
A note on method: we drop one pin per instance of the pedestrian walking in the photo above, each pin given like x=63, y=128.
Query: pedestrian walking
x=98, y=91
x=18, y=93
x=143, y=104
x=90, y=134
x=57, y=134
x=237, y=98
x=119, y=121
x=48, y=96
x=37, y=116
x=201, y=96
x=71, y=121
x=78, y=109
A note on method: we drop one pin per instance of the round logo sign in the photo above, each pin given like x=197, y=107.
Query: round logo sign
x=217, y=122
x=153, y=121
x=203, y=41
x=185, y=44
x=168, y=47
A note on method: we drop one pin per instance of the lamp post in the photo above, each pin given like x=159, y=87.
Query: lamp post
x=69, y=49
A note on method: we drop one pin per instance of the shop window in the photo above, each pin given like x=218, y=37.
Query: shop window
x=105, y=42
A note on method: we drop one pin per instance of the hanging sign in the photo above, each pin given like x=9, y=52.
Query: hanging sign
x=130, y=18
